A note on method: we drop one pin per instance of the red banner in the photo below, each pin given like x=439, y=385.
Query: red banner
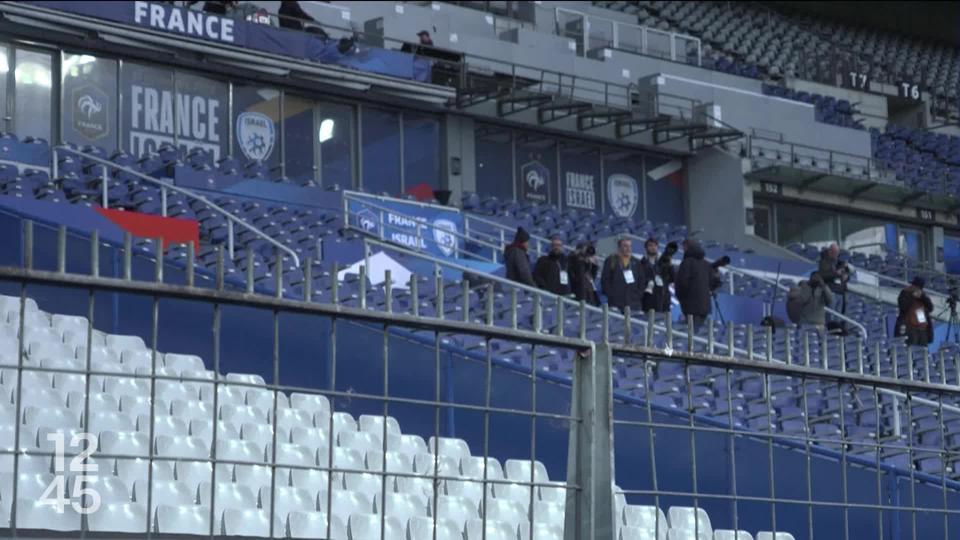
x=172, y=230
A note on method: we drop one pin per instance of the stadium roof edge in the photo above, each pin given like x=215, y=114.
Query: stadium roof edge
x=334, y=76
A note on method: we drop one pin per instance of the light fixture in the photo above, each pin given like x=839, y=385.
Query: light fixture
x=326, y=129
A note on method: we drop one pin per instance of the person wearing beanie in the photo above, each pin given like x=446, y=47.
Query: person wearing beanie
x=515, y=259
x=914, y=320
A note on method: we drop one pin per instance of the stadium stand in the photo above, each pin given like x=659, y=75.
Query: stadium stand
x=592, y=122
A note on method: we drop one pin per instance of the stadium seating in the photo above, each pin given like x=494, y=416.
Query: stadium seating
x=239, y=497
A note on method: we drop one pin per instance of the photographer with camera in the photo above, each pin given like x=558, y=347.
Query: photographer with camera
x=914, y=319
x=661, y=272
x=582, y=267
x=550, y=273
x=623, y=278
x=807, y=304
x=835, y=274
x=696, y=280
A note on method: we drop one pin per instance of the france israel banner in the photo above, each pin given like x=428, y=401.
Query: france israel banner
x=426, y=228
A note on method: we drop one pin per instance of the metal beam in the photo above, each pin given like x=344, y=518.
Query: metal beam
x=811, y=181
x=547, y=113
x=910, y=198
x=861, y=190
x=507, y=105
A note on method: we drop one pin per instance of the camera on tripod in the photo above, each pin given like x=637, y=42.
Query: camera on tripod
x=952, y=298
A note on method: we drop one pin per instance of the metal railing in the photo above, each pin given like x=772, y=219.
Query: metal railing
x=593, y=32
x=166, y=187
x=801, y=460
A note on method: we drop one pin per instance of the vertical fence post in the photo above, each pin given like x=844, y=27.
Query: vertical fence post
x=590, y=510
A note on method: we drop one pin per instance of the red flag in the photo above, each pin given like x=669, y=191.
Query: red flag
x=172, y=230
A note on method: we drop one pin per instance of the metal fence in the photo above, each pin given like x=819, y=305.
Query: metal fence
x=757, y=444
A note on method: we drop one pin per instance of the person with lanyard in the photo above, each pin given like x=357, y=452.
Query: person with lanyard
x=913, y=319
x=623, y=278
x=550, y=272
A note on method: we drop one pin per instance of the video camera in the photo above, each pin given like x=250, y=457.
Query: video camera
x=666, y=258
x=720, y=263
x=953, y=295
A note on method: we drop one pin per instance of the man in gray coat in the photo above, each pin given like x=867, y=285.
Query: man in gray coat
x=807, y=303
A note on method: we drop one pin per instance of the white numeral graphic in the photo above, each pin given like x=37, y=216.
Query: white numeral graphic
x=85, y=499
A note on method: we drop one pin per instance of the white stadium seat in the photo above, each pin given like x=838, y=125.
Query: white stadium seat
x=519, y=471
x=227, y=495
x=375, y=527
x=181, y=447
x=693, y=519
x=457, y=509
x=421, y=528
x=182, y=520
x=316, y=525
x=311, y=403
x=344, y=503
x=766, y=535
x=35, y=514
x=401, y=505
x=455, y=448
x=119, y=517
x=646, y=517
x=375, y=425
x=480, y=529
x=733, y=535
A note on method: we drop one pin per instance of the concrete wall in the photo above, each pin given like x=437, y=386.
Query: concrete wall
x=716, y=196
x=458, y=138
x=873, y=107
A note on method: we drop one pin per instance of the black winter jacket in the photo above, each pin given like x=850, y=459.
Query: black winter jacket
x=518, y=265
x=614, y=284
x=546, y=274
x=906, y=302
x=695, y=280
x=582, y=275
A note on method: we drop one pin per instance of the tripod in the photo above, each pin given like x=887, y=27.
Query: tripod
x=954, y=323
x=716, y=305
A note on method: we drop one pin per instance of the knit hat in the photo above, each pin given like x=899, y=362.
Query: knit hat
x=918, y=282
x=521, y=236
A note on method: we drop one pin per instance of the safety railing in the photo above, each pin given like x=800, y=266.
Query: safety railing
x=501, y=234
x=165, y=188
x=593, y=32
x=676, y=418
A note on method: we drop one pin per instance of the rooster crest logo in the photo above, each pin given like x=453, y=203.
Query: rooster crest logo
x=89, y=106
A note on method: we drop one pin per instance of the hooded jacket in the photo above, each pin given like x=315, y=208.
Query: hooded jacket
x=807, y=304
x=694, y=281
x=517, y=264
x=907, y=302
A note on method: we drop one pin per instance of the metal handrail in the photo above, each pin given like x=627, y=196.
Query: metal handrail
x=615, y=37
x=782, y=287
x=164, y=187
x=504, y=230
x=438, y=262
x=358, y=198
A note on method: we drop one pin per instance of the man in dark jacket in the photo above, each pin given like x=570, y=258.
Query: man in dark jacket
x=515, y=259
x=835, y=274
x=914, y=320
x=550, y=272
x=696, y=280
x=623, y=278
x=583, y=272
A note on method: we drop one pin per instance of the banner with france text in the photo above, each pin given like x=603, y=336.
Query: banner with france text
x=430, y=229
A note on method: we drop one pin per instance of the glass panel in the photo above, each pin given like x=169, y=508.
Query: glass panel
x=863, y=235
x=298, y=154
x=381, y=151
x=806, y=225
x=201, y=118
x=4, y=70
x=32, y=117
x=148, y=110
x=951, y=254
x=911, y=243
x=537, y=170
x=761, y=221
x=421, y=151
x=89, y=114
x=494, y=177
x=335, y=137
x=256, y=119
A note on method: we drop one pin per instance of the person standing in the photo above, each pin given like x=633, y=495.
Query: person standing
x=551, y=273
x=695, y=282
x=623, y=278
x=515, y=259
x=583, y=272
x=914, y=319
x=835, y=274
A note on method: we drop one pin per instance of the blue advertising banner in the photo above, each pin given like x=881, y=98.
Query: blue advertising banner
x=211, y=27
x=432, y=229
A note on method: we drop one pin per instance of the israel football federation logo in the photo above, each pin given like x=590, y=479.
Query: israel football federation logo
x=445, y=236
x=256, y=135
x=367, y=220
x=91, y=116
x=622, y=194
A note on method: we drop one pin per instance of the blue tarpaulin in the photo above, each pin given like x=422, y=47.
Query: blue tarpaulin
x=241, y=33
